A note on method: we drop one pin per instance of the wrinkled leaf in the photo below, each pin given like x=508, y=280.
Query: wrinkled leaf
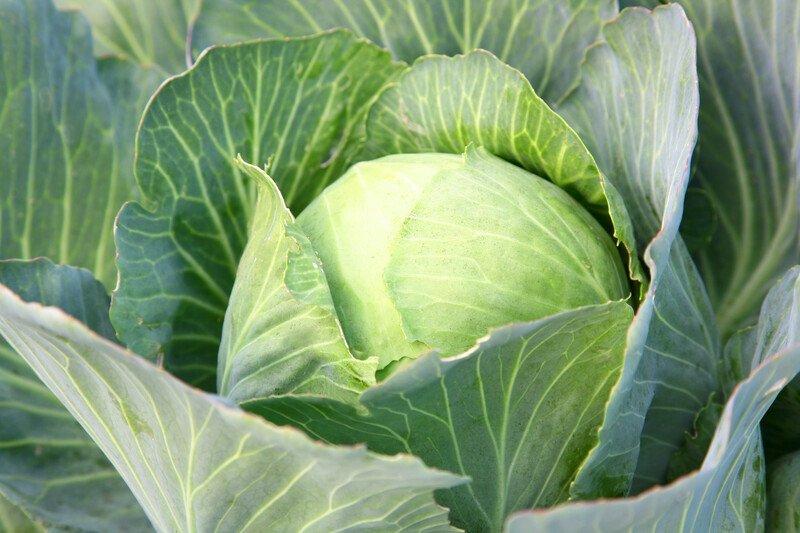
x=300, y=103
x=495, y=108
x=542, y=38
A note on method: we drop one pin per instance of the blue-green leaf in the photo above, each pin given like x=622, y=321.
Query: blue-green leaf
x=195, y=463
x=636, y=111
x=778, y=325
x=727, y=492
x=49, y=466
x=542, y=38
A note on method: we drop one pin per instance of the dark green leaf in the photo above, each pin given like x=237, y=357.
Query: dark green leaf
x=699, y=219
x=689, y=457
x=783, y=495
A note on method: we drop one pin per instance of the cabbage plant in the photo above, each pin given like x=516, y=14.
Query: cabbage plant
x=399, y=266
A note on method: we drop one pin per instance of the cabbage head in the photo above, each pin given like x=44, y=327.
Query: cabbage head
x=429, y=251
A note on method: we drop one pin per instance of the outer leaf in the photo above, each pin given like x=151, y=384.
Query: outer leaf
x=650, y=4
x=129, y=86
x=737, y=360
x=781, y=434
x=749, y=147
x=517, y=414
x=778, y=325
x=779, y=321
x=300, y=102
x=195, y=464
x=496, y=108
x=686, y=459
x=48, y=464
x=636, y=109
x=543, y=39
x=13, y=519
x=65, y=145
x=275, y=341
x=646, y=58
x=783, y=494
x=726, y=494
x=148, y=33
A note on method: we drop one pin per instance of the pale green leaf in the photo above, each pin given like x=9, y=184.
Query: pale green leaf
x=444, y=104
x=197, y=464
x=444, y=277
x=300, y=103
x=274, y=342
x=748, y=154
x=542, y=38
x=517, y=414
x=352, y=226
x=48, y=464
